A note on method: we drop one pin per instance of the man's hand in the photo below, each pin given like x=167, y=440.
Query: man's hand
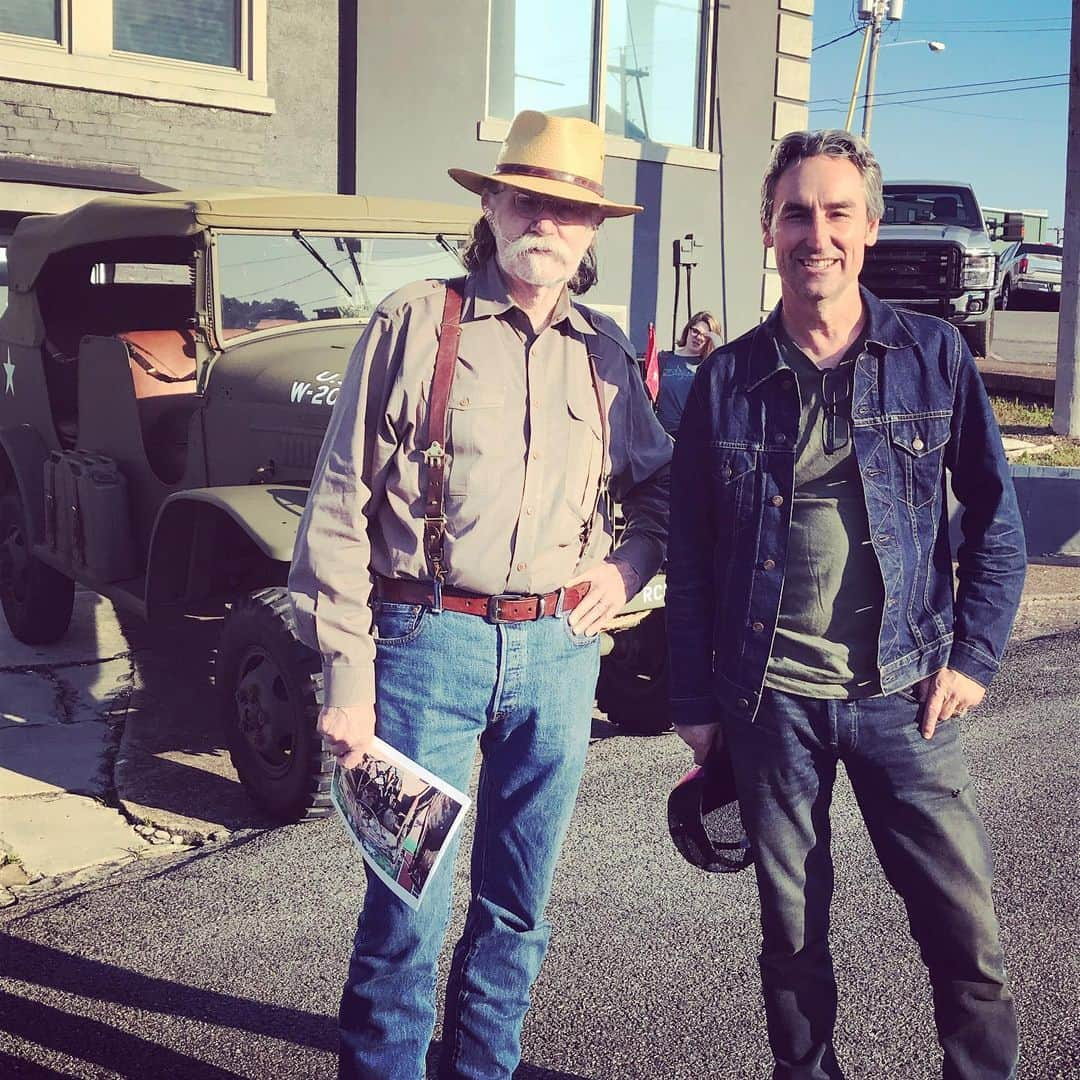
x=701, y=738
x=607, y=595
x=348, y=732
x=944, y=695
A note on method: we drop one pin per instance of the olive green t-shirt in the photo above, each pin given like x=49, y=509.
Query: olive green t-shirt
x=830, y=611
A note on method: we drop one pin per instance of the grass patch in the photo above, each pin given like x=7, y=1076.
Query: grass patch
x=1064, y=455
x=1031, y=419
x=1023, y=416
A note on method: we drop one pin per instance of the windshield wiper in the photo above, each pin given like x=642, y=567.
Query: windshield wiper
x=305, y=243
x=441, y=241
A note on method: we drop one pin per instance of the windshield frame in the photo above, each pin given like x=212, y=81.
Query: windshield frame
x=288, y=232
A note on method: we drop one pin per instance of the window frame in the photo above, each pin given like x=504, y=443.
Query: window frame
x=494, y=129
x=84, y=58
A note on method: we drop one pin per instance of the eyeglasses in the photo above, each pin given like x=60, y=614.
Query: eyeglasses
x=836, y=393
x=565, y=213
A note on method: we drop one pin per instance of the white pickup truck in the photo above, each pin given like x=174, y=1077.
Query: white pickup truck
x=934, y=254
x=1028, y=270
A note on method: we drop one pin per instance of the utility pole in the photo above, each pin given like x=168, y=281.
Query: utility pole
x=1067, y=383
x=875, y=12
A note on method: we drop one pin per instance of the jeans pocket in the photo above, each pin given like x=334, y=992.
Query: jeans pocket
x=578, y=641
x=398, y=624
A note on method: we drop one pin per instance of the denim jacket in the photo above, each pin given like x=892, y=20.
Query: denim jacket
x=919, y=408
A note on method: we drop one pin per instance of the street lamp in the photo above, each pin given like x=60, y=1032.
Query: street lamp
x=933, y=46
x=872, y=41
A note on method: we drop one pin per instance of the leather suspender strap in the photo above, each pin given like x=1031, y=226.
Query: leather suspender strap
x=435, y=455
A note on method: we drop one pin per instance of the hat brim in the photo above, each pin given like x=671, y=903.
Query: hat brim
x=558, y=189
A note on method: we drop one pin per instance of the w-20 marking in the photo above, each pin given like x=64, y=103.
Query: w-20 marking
x=324, y=391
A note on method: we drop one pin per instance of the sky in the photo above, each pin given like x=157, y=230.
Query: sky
x=1009, y=145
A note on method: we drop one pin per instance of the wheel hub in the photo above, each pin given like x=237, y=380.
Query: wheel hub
x=265, y=711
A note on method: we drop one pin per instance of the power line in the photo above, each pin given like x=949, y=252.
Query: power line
x=957, y=86
x=953, y=97
x=1018, y=30
x=824, y=44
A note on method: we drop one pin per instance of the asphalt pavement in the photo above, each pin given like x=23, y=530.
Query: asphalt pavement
x=226, y=961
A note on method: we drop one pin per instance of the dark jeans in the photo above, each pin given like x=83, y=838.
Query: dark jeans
x=917, y=801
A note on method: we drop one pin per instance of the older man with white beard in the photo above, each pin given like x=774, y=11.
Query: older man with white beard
x=454, y=566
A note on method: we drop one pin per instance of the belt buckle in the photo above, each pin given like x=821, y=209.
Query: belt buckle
x=493, y=603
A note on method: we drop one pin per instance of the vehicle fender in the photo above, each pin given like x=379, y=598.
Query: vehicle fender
x=268, y=513
x=652, y=595
x=25, y=453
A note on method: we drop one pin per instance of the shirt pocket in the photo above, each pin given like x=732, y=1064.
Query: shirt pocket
x=732, y=473
x=474, y=423
x=919, y=452
x=583, y=450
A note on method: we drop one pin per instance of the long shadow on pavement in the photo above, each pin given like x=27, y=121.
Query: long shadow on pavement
x=110, y=1046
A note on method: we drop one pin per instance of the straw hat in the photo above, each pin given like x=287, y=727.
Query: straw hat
x=560, y=156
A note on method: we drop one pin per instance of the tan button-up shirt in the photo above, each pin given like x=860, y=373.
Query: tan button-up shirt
x=526, y=466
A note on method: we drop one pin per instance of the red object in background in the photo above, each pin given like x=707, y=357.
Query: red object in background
x=652, y=364
x=1023, y=267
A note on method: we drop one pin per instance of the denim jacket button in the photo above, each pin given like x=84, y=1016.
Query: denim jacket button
x=757, y=627
x=917, y=443
x=768, y=564
x=777, y=500
x=743, y=703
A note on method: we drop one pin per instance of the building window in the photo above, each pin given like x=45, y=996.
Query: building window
x=650, y=87
x=31, y=18
x=205, y=31
x=209, y=52
x=533, y=68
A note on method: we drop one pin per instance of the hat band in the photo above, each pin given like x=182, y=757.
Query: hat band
x=551, y=174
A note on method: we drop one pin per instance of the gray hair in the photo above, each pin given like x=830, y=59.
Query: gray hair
x=800, y=145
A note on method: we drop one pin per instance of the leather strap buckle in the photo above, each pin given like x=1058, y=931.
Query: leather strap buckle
x=494, y=607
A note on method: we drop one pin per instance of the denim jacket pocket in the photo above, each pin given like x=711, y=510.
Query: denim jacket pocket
x=732, y=476
x=397, y=624
x=919, y=446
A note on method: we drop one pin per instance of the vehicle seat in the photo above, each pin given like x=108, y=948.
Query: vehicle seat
x=163, y=374
x=944, y=209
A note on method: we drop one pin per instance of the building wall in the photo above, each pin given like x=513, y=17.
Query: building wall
x=421, y=107
x=184, y=144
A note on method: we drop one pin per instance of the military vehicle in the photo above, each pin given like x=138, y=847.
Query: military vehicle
x=170, y=362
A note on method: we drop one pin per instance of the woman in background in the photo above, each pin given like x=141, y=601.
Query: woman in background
x=677, y=369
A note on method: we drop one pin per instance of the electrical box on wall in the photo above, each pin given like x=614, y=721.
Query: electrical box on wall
x=686, y=250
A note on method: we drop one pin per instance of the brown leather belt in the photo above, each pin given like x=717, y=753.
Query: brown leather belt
x=501, y=608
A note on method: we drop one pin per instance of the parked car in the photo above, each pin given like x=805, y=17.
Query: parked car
x=1027, y=271
x=933, y=254
x=169, y=363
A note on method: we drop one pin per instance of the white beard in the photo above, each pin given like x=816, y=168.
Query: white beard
x=544, y=261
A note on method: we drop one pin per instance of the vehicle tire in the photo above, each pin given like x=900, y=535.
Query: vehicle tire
x=633, y=685
x=269, y=687
x=1005, y=296
x=37, y=600
x=980, y=335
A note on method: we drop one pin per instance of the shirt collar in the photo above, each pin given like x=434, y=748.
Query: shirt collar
x=883, y=329
x=486, y=295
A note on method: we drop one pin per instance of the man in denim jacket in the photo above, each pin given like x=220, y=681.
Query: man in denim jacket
x=812, y=613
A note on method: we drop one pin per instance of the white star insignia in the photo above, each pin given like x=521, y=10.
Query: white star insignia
x=9, y=371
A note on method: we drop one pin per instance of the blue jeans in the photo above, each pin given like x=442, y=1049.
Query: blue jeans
x=917, y=801
x=524, y=691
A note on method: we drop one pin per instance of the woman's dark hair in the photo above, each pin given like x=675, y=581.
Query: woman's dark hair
x=707, y=317
x=481, y=247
